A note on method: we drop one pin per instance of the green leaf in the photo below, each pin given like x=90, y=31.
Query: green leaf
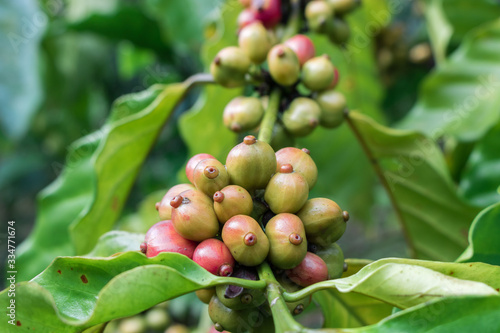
x=116, y=241
x=481, y=179
x=405, y=283
x=76, y=293
x=483, y=238
x=434, y=217
x=459, y=98
x=22, y=25
x=86, y=199
x=438, y=27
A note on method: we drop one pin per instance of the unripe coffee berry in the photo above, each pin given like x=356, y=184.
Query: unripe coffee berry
x=302, y=116
x=205, y=295
x=318, y=13
x=193, y=216
x=193, y=162
x=214, y=256
x=287, y=239
x=333, y=257
x=163, y=207
x=310, y=271
x=301, y=162
x=296, y=307
x=338, y=31
x=162, y=237
x=251, y=163
x=246, y=240
x=210, y=176
x=287, y=191
x=254, y=41
x=284, y=65
x=281, y=138
x=230, y=201
x=243, y=114
x=228, y=319
x=318, y=73
x=230, y=66
x=302, y=46
x=332, y=104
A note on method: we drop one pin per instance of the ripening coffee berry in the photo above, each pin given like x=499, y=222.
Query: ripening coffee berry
x=243, y=114
x=193, y=216
x=267, y=11
x=287, y=191
x=214, y=256
x=287, y=239
x=205, y=295
x=255, y=42
x=333, y=257
x=332, y=104
x=230, y=201
x=163, y=207
x=310, y=271
x=338, y=31
x=318, y=73
x=209, y=176
x=251, y=163
x=230, y=66
x=302, y=116
x=246, y=17
x=302, y=46
x=193, y=162
x=323, y=220
x=301, y=162
x=342, y=7
x=318, y=13
x=162, y=237
x=246, y=240
x=284, y=65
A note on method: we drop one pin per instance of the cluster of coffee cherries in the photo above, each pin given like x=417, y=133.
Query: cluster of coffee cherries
x=233, y=217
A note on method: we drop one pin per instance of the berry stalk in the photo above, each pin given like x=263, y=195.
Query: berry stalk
x=267, y=124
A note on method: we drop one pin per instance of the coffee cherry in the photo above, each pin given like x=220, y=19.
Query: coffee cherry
x=302, y=46
x=163, y=207
x=323, y=220
x=230, y=201
x=296, y=307
x=318, y=13
x=157, y=319
x=254, y=41
x=310, y=271
x=338, y=31
x=287, y=191
x=162, y=237
x=246, y=17
x=333, y=257
x=243, y=114
x=230, y=66
x=287, y=239
x=205, y=295
x=246, y=240
x=193, y=216
x=342, y=7
x=214, y=256
x=193, y=162
x=281, y=138
x=135, y=324
x=267, y=11
x=302, y=116
x=228, y=319
x=247, y=298
x=209, y=176
x=251, y=163
x=318, y=73
x=301, y=162
x=332, y=104
x=284, y=65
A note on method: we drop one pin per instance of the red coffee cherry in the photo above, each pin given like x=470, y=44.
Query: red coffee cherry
x=302, y=46
x=214, y=256
x=267, y=11
x=162, y=237
x=191, y=164
x=310, y=271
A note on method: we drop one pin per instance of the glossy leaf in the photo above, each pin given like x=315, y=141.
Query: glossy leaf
x=76, y=293
x=116, y=241
x=87, y=198
x=435, y=218
x=439, y=29
x=483, y=238
x=21, y=28
x=460, y=97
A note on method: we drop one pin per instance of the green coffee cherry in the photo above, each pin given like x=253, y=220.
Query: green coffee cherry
x=296, y=307
x=324, y=221
x=249, y=298
x=246, y=240
x=318, y=13
x=230, y=66
x=281, y=138
x=163, y=207
x=342, y=7
x=301, y=162
x=205, y=295
x=228, y=319
x=243, y=114
x=318, y=73
x=255, y=42
x=210, y=176
x=287, y=239
x=230, y=201
x=284, y=65
x=251, y=163
x=333, y=256
x=302, y=116
x=332, y=104
x=287, y=191
x=338, y=31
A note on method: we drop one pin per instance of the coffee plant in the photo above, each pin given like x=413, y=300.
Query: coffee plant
x=285, y=142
